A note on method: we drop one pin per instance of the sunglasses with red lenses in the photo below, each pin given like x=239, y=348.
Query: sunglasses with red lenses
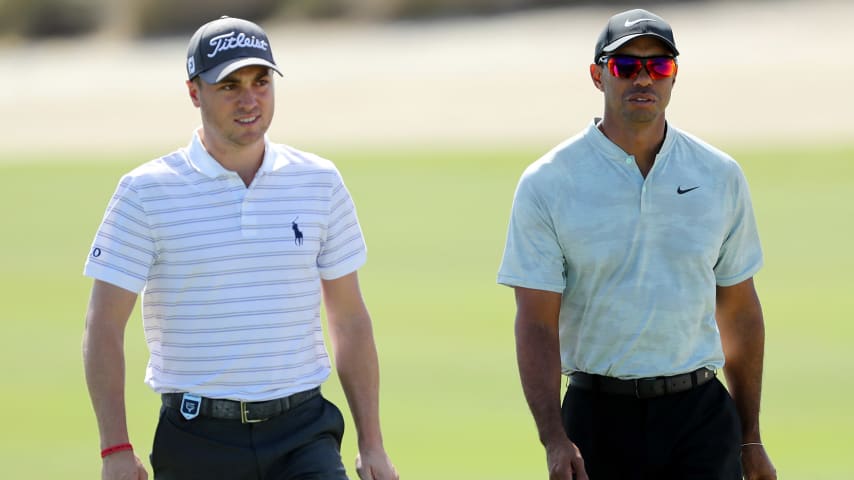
x=627, y=66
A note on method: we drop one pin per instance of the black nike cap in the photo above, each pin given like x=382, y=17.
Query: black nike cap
x=629, y=25
x=226, y=44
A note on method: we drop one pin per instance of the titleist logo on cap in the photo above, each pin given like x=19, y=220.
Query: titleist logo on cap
x=229, y=41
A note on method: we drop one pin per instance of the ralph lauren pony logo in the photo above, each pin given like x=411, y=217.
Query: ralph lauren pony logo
x=297, y=232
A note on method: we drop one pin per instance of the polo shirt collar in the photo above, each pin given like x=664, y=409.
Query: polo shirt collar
x=612, y=150
x=204, y=163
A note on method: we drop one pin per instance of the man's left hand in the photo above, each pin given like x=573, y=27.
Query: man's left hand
x=757, y=464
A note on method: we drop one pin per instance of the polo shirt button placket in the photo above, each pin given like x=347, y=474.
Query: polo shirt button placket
x=248, y=221
x=643, y=198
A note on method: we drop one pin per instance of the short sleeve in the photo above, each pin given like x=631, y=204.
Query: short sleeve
x=124, y=249
x=532, y=254
x=343, y=250
x=741, y=253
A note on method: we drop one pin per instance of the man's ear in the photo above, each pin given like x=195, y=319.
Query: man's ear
x=596, y=76
x=193, y=90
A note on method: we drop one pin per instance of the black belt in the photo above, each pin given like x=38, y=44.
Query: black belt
x=247, y=412
x=641, y=387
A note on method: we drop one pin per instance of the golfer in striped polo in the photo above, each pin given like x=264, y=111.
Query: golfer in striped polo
x=231, y=241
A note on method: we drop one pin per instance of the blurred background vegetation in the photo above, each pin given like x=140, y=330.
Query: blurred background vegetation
x=32, y=19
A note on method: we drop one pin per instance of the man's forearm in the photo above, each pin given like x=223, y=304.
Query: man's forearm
x=103, y=358
x=358, y=369
x=104, y=365
x=538, y=356
x=742, y=329
x=744, y=377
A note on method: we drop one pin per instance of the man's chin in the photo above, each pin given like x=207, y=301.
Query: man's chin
x=643, y=116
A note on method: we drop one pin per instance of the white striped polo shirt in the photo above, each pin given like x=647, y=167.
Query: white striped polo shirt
x=230, y=275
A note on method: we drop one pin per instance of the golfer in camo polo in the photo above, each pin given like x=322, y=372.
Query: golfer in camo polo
x=632, y=248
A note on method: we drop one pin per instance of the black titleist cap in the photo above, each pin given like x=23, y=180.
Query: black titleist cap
x=629, y=25
x=225, y=45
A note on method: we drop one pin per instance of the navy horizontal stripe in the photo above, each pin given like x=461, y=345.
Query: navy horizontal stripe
x=231, y=286
x=243, y=314
x=225, y=301
x=218, y=273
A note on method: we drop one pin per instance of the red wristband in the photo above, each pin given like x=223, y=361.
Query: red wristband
x=115, y=449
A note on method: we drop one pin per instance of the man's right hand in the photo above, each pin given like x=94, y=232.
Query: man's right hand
x=123, y=466
x=564, y=461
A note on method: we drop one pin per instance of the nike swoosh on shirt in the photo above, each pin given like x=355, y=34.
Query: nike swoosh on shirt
x=682, y=191
x=629, y=23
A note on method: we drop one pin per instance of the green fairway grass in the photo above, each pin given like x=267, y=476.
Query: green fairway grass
x=435, y=223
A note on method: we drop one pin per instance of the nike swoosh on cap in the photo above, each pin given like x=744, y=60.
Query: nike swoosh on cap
x=629, y=23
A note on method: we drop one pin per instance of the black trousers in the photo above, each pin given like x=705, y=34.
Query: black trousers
x=301, y=444
x=692, y=435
